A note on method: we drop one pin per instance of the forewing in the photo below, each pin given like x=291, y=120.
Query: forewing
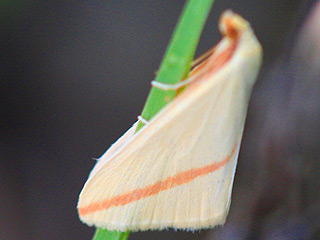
x=178, y=170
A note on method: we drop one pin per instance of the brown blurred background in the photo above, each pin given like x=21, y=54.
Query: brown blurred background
x=75, y=75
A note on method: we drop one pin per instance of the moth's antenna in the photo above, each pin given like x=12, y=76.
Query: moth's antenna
x=176, y=86
x=144, y=121
x=180, y=84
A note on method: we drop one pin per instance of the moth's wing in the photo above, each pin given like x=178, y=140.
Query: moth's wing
x=114, y=148
x=178, y=170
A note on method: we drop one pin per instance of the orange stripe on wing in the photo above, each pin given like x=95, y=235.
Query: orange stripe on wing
x=169, y=183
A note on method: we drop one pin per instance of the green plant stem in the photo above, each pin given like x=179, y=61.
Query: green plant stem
x=175, y=66
x=177, y=61
x=112, y=235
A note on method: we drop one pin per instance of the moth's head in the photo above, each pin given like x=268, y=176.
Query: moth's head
x=232, y=24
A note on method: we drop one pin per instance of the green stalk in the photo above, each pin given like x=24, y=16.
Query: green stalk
x=103, y=234
x=175, y=66
x=177, y=61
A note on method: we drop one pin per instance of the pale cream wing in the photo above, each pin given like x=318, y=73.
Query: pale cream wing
x=126, y=137
x=178, y=170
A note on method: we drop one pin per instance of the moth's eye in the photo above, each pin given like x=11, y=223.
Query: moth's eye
x=230, y=30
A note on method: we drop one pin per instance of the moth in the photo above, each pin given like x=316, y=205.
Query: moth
x=178, y=170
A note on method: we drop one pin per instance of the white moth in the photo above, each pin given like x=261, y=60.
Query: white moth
x=178, y=170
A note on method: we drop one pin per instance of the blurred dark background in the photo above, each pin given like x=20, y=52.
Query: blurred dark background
x=75, y=75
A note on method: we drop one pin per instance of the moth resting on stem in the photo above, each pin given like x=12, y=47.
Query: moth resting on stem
x=178, y=170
